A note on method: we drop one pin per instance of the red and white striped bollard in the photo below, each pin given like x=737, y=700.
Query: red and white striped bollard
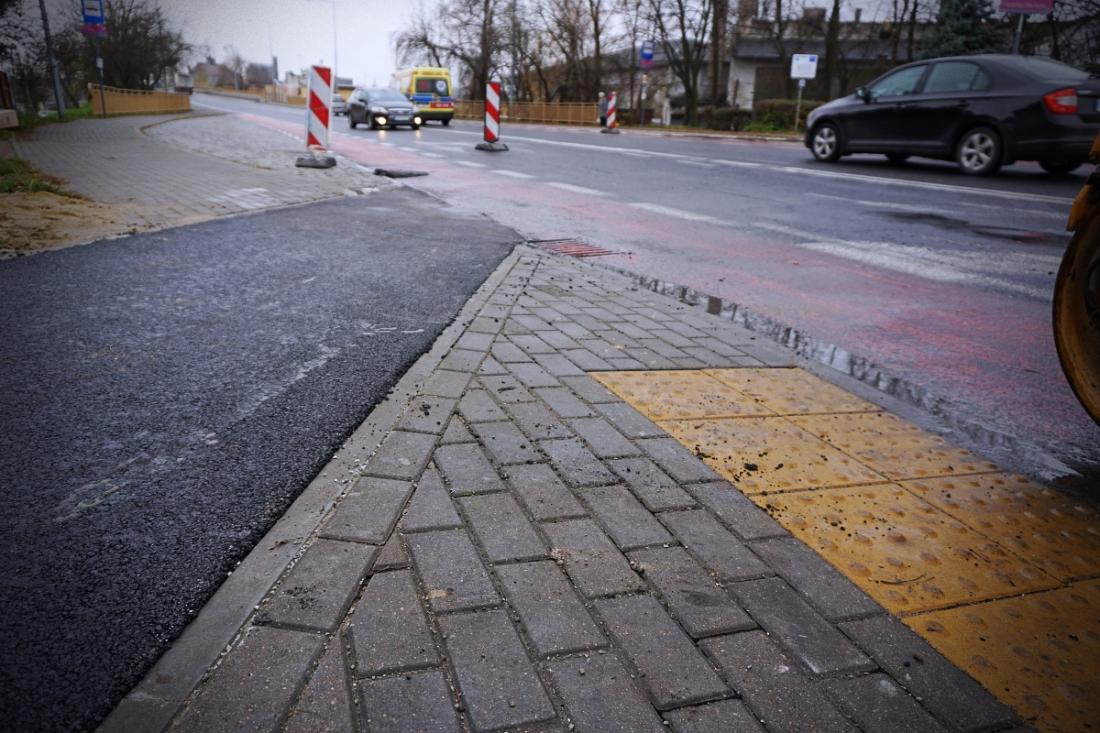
x=612, y=123
x=492, y=141
x=318, y=115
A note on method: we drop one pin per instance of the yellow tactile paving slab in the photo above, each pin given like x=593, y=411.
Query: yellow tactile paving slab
x=674, y=394
x=791, y=391
x=764, y=454
x=986, y=566
x=902, y=551
x=892, y=446
x=1039, y=653
x=1054, y=532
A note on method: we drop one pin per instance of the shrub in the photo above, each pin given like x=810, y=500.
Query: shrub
x=726, y=118
x=779, y=113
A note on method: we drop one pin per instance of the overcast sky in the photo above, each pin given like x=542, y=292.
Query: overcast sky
x=298, y=32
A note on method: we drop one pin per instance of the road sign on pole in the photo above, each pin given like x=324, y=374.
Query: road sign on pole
x=804, y=66
x=1039, y=7
x=95, y=22
x=645, y=55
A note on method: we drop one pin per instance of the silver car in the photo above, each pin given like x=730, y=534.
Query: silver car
x=339, y=105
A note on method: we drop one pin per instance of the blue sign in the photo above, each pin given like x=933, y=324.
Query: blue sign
x=95, y=23
x=646, y=55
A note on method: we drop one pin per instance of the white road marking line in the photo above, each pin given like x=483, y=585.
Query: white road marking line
x=432, y=155
x=678, y=213
x=699, y=163
x=575, y=189
x=928, y=209
x=940, y=265
x=807, y=171
x=511, y=174
x=406, y=148
x=469, y=163
x=927, y=185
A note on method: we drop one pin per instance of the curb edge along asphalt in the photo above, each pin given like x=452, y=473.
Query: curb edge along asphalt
x=1007, y=449
x=162, y=692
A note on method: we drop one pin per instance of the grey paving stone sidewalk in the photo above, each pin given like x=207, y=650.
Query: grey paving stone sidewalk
x=167, y=171
x=545, y=559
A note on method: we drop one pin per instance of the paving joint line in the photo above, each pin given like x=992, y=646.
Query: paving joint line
x=223, y=618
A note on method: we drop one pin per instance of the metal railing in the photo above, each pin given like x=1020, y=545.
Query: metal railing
x=136, y=101
x=568, y=113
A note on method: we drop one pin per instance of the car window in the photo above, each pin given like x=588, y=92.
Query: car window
x=1044, y=69
x=901, y=82
x=431, y=85
x=956, y=76
x=388, y=97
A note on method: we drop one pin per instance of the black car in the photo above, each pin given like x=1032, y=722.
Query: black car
x=381, y=108
x=982, y=111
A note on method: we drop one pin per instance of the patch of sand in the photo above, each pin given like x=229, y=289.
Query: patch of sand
x=33, y=222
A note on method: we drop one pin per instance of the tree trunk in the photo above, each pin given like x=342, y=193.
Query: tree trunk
x=912, y=30
x=1055, y=51
x=717, y=52
x=832, y=52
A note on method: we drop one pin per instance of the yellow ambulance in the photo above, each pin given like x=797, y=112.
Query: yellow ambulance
x=429, y=89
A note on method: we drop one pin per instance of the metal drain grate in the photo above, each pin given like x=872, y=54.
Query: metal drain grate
x=573, y=248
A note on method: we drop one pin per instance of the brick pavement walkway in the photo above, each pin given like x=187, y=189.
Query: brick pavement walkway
x=167, y=171
x=525, y=551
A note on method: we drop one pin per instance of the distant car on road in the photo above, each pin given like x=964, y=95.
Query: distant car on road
x=982, y=111
x=381, y=108
x=339, y=105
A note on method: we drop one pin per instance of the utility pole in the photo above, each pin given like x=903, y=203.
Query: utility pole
x=53, y=62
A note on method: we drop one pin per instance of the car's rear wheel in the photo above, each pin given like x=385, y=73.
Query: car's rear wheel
x=351, y=121
x=446, y=122
x=825, y=143
x=979, y=152
x=897, y=158
x=1058, y=167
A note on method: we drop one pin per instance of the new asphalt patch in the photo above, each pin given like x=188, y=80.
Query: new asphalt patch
x=167, y=395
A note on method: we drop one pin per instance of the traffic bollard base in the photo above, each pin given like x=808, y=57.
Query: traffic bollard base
x=315, y=161
x=494, y=147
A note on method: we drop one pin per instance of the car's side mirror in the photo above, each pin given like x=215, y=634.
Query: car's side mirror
x=863, y=94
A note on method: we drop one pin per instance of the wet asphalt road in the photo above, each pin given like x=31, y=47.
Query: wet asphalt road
x=940, y=281
x=165, y=396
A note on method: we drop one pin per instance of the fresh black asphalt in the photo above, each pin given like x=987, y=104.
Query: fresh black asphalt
x=163, y=399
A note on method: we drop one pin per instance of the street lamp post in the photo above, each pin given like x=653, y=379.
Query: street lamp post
x=53, y=61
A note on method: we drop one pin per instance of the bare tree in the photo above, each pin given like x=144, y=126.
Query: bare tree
x=236, y=65
x=469, y=38
x=140, y=47
x=633, y=17
x=682, y=28
x=598, y=12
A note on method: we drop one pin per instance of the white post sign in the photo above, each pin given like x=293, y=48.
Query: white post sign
x=803, y=67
